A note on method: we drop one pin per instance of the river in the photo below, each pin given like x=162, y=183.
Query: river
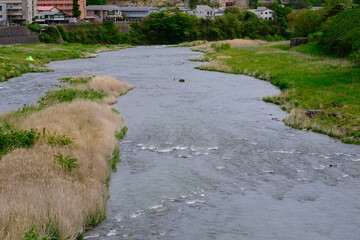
x=207, y=158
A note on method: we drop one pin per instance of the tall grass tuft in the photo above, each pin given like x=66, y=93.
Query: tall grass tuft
x=57, y=186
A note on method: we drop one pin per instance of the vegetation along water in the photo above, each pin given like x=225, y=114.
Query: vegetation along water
x=69, y=158
x=69, y=141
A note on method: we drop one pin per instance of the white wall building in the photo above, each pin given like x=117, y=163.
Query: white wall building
x=263, y=13
x=204, y=11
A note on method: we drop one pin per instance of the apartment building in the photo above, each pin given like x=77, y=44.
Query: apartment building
x=17, y=11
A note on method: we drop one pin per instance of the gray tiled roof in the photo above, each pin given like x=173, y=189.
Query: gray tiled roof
x=136, y=9
x=103, y=7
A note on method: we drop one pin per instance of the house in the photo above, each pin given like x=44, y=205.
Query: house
x=17, y=11
x=263, y=13
x=65, y=6
x=103, y=13
x=55, y=17
x=137, y=13
x=204, y=11
x=50, y=15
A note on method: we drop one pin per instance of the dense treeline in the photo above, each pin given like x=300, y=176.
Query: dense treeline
x=336, y=27
x=173, y=27
x=162, y=28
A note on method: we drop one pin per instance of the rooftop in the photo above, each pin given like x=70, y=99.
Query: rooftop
x=45, y=8
x=103, y=7
x=204, y=8
x=138, y=9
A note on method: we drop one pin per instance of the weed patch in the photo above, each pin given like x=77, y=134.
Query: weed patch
x=121, y=134
x=76, y=80
x=67, y=163
x=68, y=95
x=115, y=159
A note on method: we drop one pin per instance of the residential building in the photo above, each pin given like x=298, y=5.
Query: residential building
x=263, y=13
x=103, y=13
x=17, y=11
x=50, y=15
x=3, y=15
x=65, y=6
x=137, y=13
x=218, y=12
x=204, y=11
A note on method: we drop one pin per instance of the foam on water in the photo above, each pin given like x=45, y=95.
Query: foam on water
x=111, y=233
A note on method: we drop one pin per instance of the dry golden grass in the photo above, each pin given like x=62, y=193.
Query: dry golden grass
x=234, y=43
x=109, y=85
x=216, y=65
x=36, y=190
x=298, y=118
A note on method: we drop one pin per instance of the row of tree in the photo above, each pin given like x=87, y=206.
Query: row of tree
x=337, y=27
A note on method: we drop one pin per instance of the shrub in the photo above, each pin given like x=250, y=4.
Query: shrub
x=342, y=33
x=11, y=138
x=67, y=163
x=121, y=134
x=34, y=27
x=62, y=140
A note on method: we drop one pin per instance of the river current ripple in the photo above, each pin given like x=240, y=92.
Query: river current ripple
x=207, y=158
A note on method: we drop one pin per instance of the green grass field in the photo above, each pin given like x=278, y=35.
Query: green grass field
x=13, y=61
x=320, y=93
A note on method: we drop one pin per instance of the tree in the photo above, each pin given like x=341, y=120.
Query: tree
x=76, y=9
x=280, y=17
x=309, y=22
x=233, y=10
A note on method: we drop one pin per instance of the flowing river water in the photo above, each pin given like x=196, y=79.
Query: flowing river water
x=207, y=158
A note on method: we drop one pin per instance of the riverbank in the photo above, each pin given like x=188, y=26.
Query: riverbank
x=56, y=159
x=320, y=93
x=13, y=58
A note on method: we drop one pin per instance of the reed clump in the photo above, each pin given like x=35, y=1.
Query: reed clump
x=58, y=187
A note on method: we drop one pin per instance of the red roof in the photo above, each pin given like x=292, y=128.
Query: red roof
x=45, y=8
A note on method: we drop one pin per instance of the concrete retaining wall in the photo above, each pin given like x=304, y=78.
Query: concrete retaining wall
x=17, y=35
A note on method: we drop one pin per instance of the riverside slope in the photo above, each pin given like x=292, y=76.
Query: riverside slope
x=208, y=159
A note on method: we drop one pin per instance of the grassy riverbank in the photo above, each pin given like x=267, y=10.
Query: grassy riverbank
x=56, y=159
x=320, y=93
x=13, y=61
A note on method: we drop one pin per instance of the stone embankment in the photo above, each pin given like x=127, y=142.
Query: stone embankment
x=17, y=35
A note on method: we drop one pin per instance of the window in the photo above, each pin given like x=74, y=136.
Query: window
x=0, y=8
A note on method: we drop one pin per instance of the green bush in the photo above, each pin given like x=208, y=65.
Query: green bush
x=11, y=138
x=342, y=33
x=121, y=134
x=62, y=140
x=67, y=163
x=34, y=27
